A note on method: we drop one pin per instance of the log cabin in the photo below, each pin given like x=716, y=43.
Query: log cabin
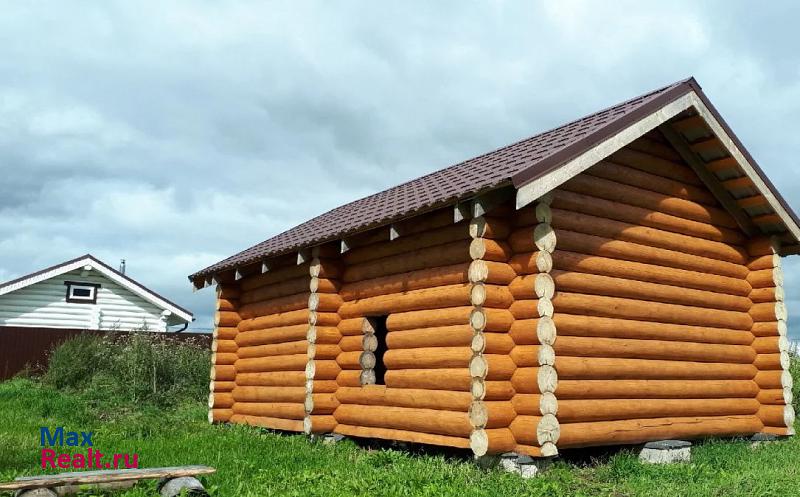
x=614, y=280
x=85, y=293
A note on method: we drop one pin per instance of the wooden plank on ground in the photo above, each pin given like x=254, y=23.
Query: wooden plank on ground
x=104, y=476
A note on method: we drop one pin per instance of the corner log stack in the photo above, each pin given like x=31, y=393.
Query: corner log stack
x=624, y=306
x=272, y=352
x=491, y=366
x=771, y=343
x=223, y=355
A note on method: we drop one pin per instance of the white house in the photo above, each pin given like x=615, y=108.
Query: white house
x=85, y=293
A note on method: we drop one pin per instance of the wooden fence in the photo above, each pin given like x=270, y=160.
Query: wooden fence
x=22, y=347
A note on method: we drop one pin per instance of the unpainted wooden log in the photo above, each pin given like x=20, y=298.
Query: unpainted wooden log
x=428, y=319
x=633, y=205
x=780, y=431
x=220, y=400
x=293, y=362
x=774, y=379
x=224, y=319
x=652, y=273
x=525, y=309
x=404, y=282
x=568, y=281
x=655, y=388
x=316, y=318
x=284, y=410
x=270, y=336
x=426, y=258
x=766, y=278
x=319, y=423
x=770, y=345
x=322, y=370
x=579, y=411
x=634, y=431
x=428, y=358
x=777, y=415
x=274, y=306
x=495, y=228
x=492, y=367
x=226, y=305
x=323, y=351
x=280, y=320
x=268, y=422
x=434, y=421
x=760, y=245
x=414, y=300
x=648, y=162
x=482, y=389
x=640, y=179
x=225, y=332
x=405, y=244
x=448, y=336
x=275, y=349
x=323, y=335
x=261, y=394
x=529, y=262
x=219, y=415
x=524, y=429
x=402, y=435
x=652, y=349
x=491, y=320
x=767, y=294
x=495, y=441
x=276, y=290
x=636, y=233
x=535, y=380
x=272, y=378
x=490, y=272
x=596, y=326
x=773, y=396
x=224, y=346
x=221, y=386
x=635, y=250
x=489, y=250
x=324, y=302
x=768, y=261
x=456, y=379
x=495, y=296
x=223, y=358
x=491, y=414
x=597, y=368
x=616, y=307
x=349, y=378
x=405, y=397
x=223, y=373
x=781, y=360
x=320, y=403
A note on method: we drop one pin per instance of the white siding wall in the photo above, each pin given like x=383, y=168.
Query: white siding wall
x=44, y=304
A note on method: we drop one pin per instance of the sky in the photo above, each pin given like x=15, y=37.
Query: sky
x=174, y=134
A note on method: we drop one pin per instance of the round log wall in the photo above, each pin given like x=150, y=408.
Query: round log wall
x=652, y=304
x=270, y=388
x=421, y=282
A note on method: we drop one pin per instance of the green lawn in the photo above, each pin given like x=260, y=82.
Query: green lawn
x=251, y=462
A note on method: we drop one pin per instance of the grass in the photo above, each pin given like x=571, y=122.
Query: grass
x=252, y=462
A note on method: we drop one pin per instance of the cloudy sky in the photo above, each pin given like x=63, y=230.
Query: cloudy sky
x=175, y=134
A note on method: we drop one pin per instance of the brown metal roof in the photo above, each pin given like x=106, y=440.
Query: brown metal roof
x=517, y=164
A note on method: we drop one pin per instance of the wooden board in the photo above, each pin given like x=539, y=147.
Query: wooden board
x=90, y=477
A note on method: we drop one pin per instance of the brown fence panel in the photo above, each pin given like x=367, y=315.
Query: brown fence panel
x=23, y=346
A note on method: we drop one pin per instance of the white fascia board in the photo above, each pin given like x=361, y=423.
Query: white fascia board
x=123, y=282
x=535, y=189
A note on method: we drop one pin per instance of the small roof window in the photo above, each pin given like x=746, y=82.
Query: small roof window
x=79, y=292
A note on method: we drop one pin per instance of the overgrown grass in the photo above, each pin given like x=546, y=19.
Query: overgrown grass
x=251, y=462
x=130, y=369
x=168, y=428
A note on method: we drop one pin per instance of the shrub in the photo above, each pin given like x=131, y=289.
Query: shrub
x=127, y=368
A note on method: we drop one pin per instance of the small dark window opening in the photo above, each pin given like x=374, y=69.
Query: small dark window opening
x=379, y=324
x=79, y=292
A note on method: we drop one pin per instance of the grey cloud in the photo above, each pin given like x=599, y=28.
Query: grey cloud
x=176, y=134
